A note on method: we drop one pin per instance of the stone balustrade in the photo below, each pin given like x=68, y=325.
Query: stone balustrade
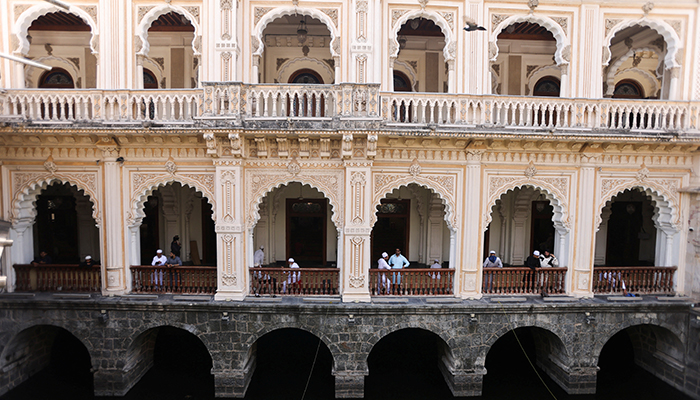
x=344, y=106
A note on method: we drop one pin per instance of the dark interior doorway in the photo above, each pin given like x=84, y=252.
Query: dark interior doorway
x=208, y=234
x=391, y=230
x=56, y=224
x=542, y=235
x=306, y=231
x=149, y=230
x=624, y=227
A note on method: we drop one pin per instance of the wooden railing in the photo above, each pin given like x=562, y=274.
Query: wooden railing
x=411, y=282
x=189, y=279
x=637, y=280
x=57, y=277
x=294, y=281
x=521, y=280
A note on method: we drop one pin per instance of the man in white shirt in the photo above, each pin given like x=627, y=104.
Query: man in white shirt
x=383, y=282
x=294, y=276
x=158, y=261
x=397, y=261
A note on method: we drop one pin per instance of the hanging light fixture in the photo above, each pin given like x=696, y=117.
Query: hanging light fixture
x=302, y=31
x=402, y=42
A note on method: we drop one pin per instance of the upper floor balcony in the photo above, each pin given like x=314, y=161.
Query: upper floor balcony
x=346, y=106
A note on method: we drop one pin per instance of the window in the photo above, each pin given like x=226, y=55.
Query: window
x=57, y=78
x=401, y=82
x=149, y=80
x=307, y=76
x=547, y=86
x=628, y=89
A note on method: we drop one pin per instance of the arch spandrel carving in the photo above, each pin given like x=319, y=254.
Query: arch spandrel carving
x=24, y=21
x=260, y=183
x=560, y=56
x=663, y=193
x=26, y=185
x=144, y=184
x=555, y=189
x=444, y=186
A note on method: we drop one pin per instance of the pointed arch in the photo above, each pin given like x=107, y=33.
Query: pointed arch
x=21, y=27
x=561, y=55
x=666, y=215
x=673, y=42
x=152, y=183
x=24, y=199
x=448, y=51
x=384, y=187
x=260, y=183
x=154, y=14
x=282, y=11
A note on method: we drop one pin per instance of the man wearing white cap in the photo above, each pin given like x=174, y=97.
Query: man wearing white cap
x=294, y=276
x=158, y=261
x=383, y=282
x=492, y=261
x=87, y=263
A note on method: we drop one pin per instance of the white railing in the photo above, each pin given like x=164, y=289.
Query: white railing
x=240, y=102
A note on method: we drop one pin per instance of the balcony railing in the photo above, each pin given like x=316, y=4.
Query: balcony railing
x=57, y=277
x=190, y=279
x=637, y=280
x=294, y=281
x=411, y=282
x=521, y=280
x=285, y=105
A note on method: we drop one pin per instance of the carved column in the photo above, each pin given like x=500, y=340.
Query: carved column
x=356, y=234
x=230, y=237
x=436, y=211
x=590, y=68
x=580, y=276
x=468, y=271
x=113, y=267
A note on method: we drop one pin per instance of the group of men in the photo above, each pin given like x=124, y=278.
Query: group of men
x=173, y=260
x=267, y=283
x=397, y=261
x=536, y=260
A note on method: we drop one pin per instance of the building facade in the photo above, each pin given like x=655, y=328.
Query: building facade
x=332, y=131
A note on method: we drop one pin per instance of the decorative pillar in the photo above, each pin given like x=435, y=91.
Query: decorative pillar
x=230, y=237
x=356, y=233
x=436, y=210
x=673, y=90
x=113, y=267
x=580, y=275
x=468, y=271
x=589, y=51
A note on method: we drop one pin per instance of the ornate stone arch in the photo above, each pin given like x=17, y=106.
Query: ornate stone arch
x=666, y=215
x=613, y=69
x=257, y=36
x=561, y=55
x=30, y=184
x=51, y=61
x=145, y=184
x=260, y=183
x=448, y=52
x=154, y=14
x=553, y=189
x=673, y=42
x=442, y=185
x=25, y=20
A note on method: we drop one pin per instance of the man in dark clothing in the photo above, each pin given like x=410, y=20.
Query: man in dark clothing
x=175, y=245
x=532, y=262
x=43, y=258
x=88, y=263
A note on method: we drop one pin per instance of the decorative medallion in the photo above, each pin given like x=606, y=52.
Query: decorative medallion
x=229, y=279
x=50, y=165
x=646, y=8
x=643, y=173
x=415, y=168
x=170, y=166
x=530, y=171
x=293, y=167
x=357, y=281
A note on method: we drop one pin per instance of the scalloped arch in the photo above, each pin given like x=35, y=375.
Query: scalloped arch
x=539, y=73
x=153, y=14
x=282, y=11
x=438, y=19
x=673, y=43
x=666, y=214
x=26, y=195
x=257, y=198
x=445, y=196
x=556, y=198
x=545, y=22
x=612, y=70
x=141, y=193
x=25, y=20
x=53, y=61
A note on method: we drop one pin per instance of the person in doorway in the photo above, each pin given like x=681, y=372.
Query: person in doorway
x=397, y=261
x=159, y=260
x=87, y=263
x=547, y=260
x=492, y=261
x=383, y=281
x=173, y=261
x=294, y=276
x=532, y=262
x=175, y=246
x=43, y=258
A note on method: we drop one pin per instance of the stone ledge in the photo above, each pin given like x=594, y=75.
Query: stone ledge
x=508, y=299
x=252, y=299
x=74, y=296
x=140, y=296
x=324, y=300
x=389, y=300
x=15, y=295
x=560, y=299
x=668, y=298
x=443, y=300
x=624, y=298
x=192, y=298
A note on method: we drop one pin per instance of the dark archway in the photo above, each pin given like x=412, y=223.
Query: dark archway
x=408, y=364
x=57, y=78
x=285, y=361
x=628, y=89
x=306, y=76
x=548, y=86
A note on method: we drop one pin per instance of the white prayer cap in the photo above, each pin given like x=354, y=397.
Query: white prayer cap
x=384, y=255
x=88, y=257
x=291, y=260
x=536, y=253
x=437, y=261
x=262, y=247
x=159, y=251
x=492, y=252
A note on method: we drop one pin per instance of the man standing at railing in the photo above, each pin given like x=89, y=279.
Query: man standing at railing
x=158, y=260
x=383, y=281
x=532, y=262
x=547, y=260
x=294, y=276
x=173, y=261
x=397, y=261
x=492, y=261
x=43, y=258
x=88, y=263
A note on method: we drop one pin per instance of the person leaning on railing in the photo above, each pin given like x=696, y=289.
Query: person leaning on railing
x=492, y=261
x=547, y=260
x=173, y=261
x=87, y=263
x=43, y=258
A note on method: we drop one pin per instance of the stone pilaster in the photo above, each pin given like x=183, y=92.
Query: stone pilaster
x=468, y=272
x=114, y=269
x=231, y=383
x=356, y=233
x=230, y=236
x=581, y=273
x=350, y=384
